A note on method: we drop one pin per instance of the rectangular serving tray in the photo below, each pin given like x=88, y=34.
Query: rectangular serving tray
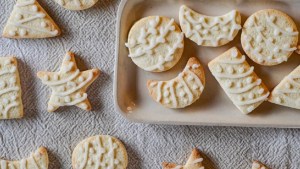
x=213, y=108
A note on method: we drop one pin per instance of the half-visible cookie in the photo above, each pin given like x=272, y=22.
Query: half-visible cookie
x=11, y=106
x=194, y=162
x=258, y=165
x=209, y=30
x=269, y=37
x=101, y=152
x=76, y=4
x=37, y=160
x=155, y=43
x=69, y=85
x=287, y=92
x=239, y=81
x=181, y=91
x=29, y=20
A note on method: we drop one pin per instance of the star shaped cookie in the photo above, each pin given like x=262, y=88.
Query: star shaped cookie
x=69, y=85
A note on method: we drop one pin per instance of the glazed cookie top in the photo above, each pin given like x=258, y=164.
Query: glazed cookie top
x=76, y=4
x=269, y=37
x=155, y=43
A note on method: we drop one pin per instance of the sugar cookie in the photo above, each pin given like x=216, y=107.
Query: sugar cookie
x=209, y=30
x=155, y=43
x=181, y=91
x=287, y=92
x=69, y=85
x=239, y=80
x=37, y=160
x=258, y=165
x=101, y=152
x=194, y=162
x=76, y=4
x=11, y=106
x=29, y=20
x=269, y=37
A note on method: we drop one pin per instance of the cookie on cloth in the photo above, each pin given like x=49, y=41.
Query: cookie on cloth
x=69, y=85
x=155, y=43
x=11, y=106
x=269, y=37
x=258, y=165
x=101, y=152
x=37, y=160
x=181, y=91
x=287, y=92
x=29, y=20
x=239, y=81
x=76, y=4
x=194, y=162
x=209, y=30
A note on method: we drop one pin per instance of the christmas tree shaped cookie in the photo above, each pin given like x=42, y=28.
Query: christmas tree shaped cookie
x=287, y=92
x=29, y=20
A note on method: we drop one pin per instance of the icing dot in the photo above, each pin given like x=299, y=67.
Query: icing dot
x=116, y=161
x=288, y=85
x=46, y=78
x=260, y=60
x=278, y=100
x=55, y=77
x=270, y=40
x=258, y=49
x=247, y=47
x=234, y=53
x=166, y=93
x=195, y=66
x=34, y=8
x=19, y=16
x=78, y=95
x=215, y=28
x=239, y=84
x=71, y=84
x=5, y=101
x=2, y=84
x=7, y=62
x=250, y=108
x=261, y=91
x=12, y=33
x=190, y=78
x=195, y=87
x=67, y=99
x=225, y=29
x=205, y=31
x=179, y=85
x=272, y=18
x=258, y=39
x=286, y=46
x=289, y=29
x=43, y=24
x=201, y=19
x=276, y=32
x=84, y=106
x=182, y=94
x=251, y=95
x=185, y=101
x=172, y=28
x=62, y=88
x=229, y=84
x=230, y=70
x=13, y=69
x=249, y=80
x=241, y=70
x=260, y=28
x=219, y=69
x=13, y=98
x=167, y=101
x=12, y=80
x=276, y=49
x=240, y=98
x=22, y=32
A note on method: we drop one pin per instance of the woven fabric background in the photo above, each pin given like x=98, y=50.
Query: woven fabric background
x=91, y=35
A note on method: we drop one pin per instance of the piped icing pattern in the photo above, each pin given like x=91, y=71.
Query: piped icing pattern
x=181, y=91
x=268, y=38
x=238, y=80
x=29, y=20
x=10, y=89
x=101, y=152
x=287, y=92
x=209, y=30
x=157, y=42
x=76, y=4
x=37, y=160
x=69, y=85
x=258, y=165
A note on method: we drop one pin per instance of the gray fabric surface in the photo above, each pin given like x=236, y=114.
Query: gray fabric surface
x=91, y=35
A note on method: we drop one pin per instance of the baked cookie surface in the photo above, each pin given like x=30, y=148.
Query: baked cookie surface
x=155, y=43
x=69, y=85
x=101, y=152
x=76, y=4
x=287, y=92
x=29, y=20
x=239, y=81
x=209, y=30
x=37, y=160
x=258, y=165
x=181, y=91
x=269, y=37
x=11, y=106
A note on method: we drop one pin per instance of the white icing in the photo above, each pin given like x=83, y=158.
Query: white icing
x=62, y=81
x=247, y=88
x=253, y=101
x=235, y=76
x=234, y=62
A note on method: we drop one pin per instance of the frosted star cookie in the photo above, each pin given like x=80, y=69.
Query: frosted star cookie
x=287, y=92
x=37, y=160
x=194, y=162
x=76, y=4
x=155, y=43
x=101, y=152
x=69, y=85
x=269, y=37
x=181, y=91
x=239, y=81
x=29, y=20
x=258, y=165
x=11, y=106
x=209, y=30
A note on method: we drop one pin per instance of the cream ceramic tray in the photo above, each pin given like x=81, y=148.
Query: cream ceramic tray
x=213, y=108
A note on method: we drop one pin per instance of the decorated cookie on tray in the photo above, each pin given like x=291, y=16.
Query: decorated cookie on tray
x=239, y=81
x=269, y=37
x=76, y=4
x=155, y=43
x=287, y=92
x=181, y=91
x=101, y=152
x=209, y=30
x=69, y=85
x=29, y=20
x=37, y=160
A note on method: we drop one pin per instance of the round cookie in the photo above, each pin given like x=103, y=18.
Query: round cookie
x=269, y=37
x=155, y=43
x=76, y=5
x=102, y=152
